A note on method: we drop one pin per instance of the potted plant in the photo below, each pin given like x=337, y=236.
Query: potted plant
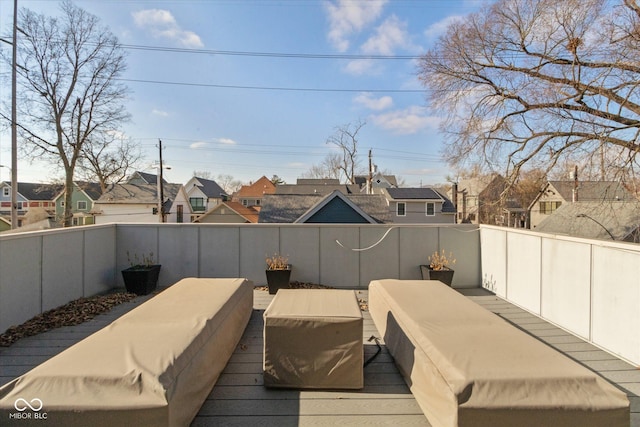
x=142, y=275
x=439, y=267
x=278, y=272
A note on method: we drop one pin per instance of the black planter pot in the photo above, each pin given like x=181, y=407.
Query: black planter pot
x=278, y=279
x=445, y=276
x=141, y=280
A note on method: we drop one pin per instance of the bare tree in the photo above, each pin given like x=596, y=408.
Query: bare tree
x=70, y=94
x=345, y=137
x=108, y=161
x=540, y=82
x=228, y=183
x=329, y=168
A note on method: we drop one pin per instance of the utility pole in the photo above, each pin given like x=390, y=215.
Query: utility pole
x=14, y=119
x=160, y=187
x=370, y=180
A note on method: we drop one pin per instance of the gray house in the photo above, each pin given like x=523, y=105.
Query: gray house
x=419, y=206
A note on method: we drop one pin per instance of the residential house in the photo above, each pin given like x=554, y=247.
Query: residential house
x=179, y=209
x=36, y=198
x=497, y=204
x=203, y=195
x=419, y=206
x=252, y=194
x=334, y=208
x=609, y=220
x=317, y=186
x=133, y=203
x=83, y=197
x=467, y=198
x=556, y=193
x=230, y=213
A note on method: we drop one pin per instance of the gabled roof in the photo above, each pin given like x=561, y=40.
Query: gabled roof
x=91, y=189
x=288, y=208
x=37, y=191
x=144, y=178
x=210, y=188
x=326, y=201
x=447, y=204
x=257, y=189
x=248, y=213
x=592, y=220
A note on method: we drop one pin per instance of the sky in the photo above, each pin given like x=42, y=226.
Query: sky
x=248, y=88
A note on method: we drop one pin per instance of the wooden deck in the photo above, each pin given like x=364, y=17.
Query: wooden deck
x=239, y=398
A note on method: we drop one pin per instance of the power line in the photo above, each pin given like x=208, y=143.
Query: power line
x=267, y=54
x=271, y=88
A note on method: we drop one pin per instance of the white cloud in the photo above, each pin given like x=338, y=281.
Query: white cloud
x=437, y=29
x=162, y=24
x=198, y=145
x=377, y=104
x=226, y=141
x=159, y=113
x=359, y=67
x=347, y=17
x=407, y=121
x=389, y=36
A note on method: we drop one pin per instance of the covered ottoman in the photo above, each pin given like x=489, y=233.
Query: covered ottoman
x=313, y=339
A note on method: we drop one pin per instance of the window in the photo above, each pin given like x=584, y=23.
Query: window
x=6, y=191
x=401, y=209
x=245, y=202
x=197, y=204
x=430, y=209
x=82, y=205
x=179, y=214
x=548, y=208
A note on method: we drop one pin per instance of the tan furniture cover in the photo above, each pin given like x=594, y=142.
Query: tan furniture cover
x=154, y=366
x=313, y=339
x=468, y=367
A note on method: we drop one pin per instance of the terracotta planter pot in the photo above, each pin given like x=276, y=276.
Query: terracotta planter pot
x=141, y=280
x=278, y=279
x=445, y=276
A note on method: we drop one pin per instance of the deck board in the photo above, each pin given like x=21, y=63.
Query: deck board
x=240, y=399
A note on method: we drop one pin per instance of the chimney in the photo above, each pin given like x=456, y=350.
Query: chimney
x=454, y=198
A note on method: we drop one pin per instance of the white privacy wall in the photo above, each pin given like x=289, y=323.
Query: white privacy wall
x=589, y=287
x=332, y=255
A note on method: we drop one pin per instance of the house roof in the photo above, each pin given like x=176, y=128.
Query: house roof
x=414, y=194
x=91, y=189
x=137, y=194
x=592, y=220
x=248, y=213
x=144, y=178
x=287, y=208
x=592, y=190
x=257, y=189
x=210, y=188
x=37, y=191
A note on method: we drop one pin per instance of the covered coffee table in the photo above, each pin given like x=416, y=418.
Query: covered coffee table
x=313, y=339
